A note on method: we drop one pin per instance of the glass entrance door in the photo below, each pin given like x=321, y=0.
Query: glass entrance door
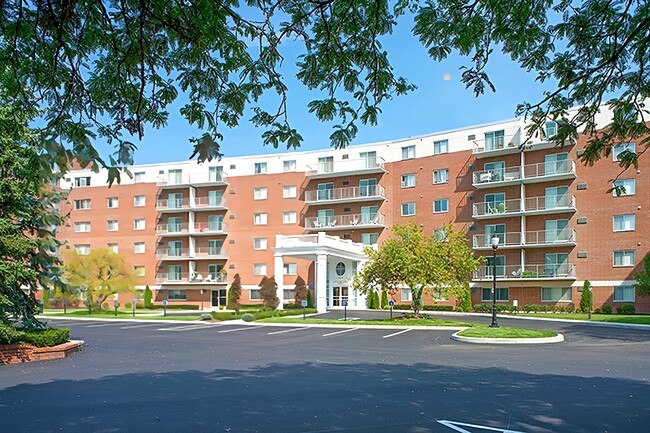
x=219, y=298
x=340, y=295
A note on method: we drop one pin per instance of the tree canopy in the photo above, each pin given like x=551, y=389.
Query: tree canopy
x=411, y=259
x=110, y=70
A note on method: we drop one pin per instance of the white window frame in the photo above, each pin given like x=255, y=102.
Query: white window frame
x=259, y=269
x=440, y=147
x=290, y=191
x=177, y=295
x=82, y=227
x=289, y=165
x=622, y=254
x=137, y=199
x=260, y=193
x=136, y=224
x=138, y=177
x=139, y=271
x=260, y=218
x=82, y=249
x=625, y=288
x=290, y=269
x=289, y=217
x=113, y=247
x=82, y=204
x=139, y=247
x=409, y=210
x=108, y=225
x=112, y=200
x=566, y=294
x=261, y=168
x=620, y=148
x=442, y=201
x=628, y=184
x=435, y=176
x=82, y=181
x=260, y=244
x=625, y=220
x=499, y=294
x=368, y=236
x=408, y=180
x=406, y=295
x=408, y=152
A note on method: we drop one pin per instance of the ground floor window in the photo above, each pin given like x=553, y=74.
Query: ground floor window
x=176, y=295
x=255, y=295
x=556, y=294
x=624, y=294
x=289, y=294
x=406, y=295
x=503, y=294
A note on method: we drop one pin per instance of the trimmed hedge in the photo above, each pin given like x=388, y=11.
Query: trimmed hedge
x=425, y=307
x=260, y=314
x=625, y=309
x=40, y=338
x=172, y=307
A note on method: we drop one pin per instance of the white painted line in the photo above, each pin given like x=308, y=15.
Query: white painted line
x=458, y=426
x=139, y=326
x=287, y=330
x=340, y=332
x=103, y=324
x=396, y=333
x=183, y=328
x=239, y=329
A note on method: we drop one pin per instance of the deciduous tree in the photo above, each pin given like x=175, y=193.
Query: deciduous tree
x=642, y=285
x=300, y=291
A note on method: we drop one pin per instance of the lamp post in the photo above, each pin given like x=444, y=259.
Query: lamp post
x=495, y=245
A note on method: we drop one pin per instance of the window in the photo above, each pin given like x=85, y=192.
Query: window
x=557, y=163
x=139, y=271
x=259, y=269
x=138, y=177
x=174, y=248
x=623, y=187
x=624, y=258
x=494, y=140
x=290, y=269
x=441, y=176
x=408, y=152
x=255, y=295
x=174, y=273
x=260, y=167
x=550, y=129
x=556, y=264
x=289, y=294
x=113, y=248
x=502, y=294
x=174, y=200
x=138, y=247
x=494, y=229
x=214, y=247
x=82, y=227
x=260, y=193
x=441, y=205
x=620, y=148
x=176, y=295
x=139, y=200
x=289, y=192
x=174, y=224
x=326, y=164
x=369, y=215
x=325, y=191
x=112, y=225
x=260, y=243
x=368, y=159
x=259, y=219
x=624, y=223
x=556, y=294
x=82, y=204
x=495, y=203
x=215, y=174
x=112, y=202
x=408, y=180
x=215, y=198
x=624, y=294
x=139, y=224
x=289, y=217
x=289, y=165
x=493, y=172
x=556, y=197
x=82, y=250
x=500, y=266
x=408, y=209
x=325, y=218
x=215, y=223
x=369, y=238
x=556, y=231
x=175, y=176
x=340, y=269
x=82, y=181
x=406, y=295
x=441, y=146
x=367, y=187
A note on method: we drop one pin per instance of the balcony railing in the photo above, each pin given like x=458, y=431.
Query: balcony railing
x=550, y=169
x=209, y=227
x=510, y=239
x=508, y=142
x=534, y=271
x=550, y=203
x=210, y=252
x=171, y=228
x=353, y=193
x=551, y=237
x=346, y=165
x=344, y=221
x=172, y=253
x=496, y=208
x=196, y=278
x=192, y=179
x=206, y=202
x=166, y=204
x=485, y=177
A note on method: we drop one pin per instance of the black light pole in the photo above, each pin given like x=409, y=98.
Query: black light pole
x=495, y=245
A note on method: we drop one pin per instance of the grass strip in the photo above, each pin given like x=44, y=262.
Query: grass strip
x=383, y=322
x=636, y=319
x=483, y=331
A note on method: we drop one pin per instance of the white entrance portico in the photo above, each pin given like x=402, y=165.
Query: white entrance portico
x=336, y=261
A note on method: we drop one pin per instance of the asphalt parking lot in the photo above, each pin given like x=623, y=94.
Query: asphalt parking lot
x=176, y=376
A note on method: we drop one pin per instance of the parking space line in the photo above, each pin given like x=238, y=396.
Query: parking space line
x=140, y=326
x=239, y=329
x=184, y=328
x=287, y=330
x=102, y=325
x=396, y=333
x=340, y=332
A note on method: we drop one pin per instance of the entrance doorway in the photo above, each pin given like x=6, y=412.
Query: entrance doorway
x=340, y=295
x=219, y=298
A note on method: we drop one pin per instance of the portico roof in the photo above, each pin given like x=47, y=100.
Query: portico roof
x=311, y=246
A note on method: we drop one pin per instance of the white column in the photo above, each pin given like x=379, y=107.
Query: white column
x=362, y=302
x=279, y=279
x=321, y=283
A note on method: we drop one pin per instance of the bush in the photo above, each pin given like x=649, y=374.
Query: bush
x=384, y=299
x=402, y=307
x=47, y=337
x=128, y=305
x=10, y=335
x=438, y=308
x=482, y=308
x=570, y=308
x=597, y=311
x=625, y=309
x=205, y=316
x=105, y=306
x=607, y=309
x=247, y=317
x=148, y=297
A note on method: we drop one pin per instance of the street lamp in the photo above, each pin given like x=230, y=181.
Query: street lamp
x=495, y=245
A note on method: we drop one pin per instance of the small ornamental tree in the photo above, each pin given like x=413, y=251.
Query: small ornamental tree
x=148, y=296
x=465, y=298
x=384, y=299
x=642, y=285
x=300, y=291
x=234, y=294
x=269, y=293
x=310, y=299
x=586, y=297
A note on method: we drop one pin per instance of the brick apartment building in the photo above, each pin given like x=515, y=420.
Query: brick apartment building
x=188, y=228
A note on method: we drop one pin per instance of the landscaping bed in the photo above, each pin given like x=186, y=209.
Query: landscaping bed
x=17, y=345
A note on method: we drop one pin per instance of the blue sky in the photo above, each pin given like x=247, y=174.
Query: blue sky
x=436, y=105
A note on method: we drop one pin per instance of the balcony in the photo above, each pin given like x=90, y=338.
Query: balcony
x=495, y=178
x=215, y=253
x=175, y=205
x=498, y=145
x=195, y=180
x=173, y=254
x=171, y=229
x=527, y=273
x=532, y=239
x=549, y=171
x=196, y=229
x=197, y=278
x=346, y=167
x=205, y=203
x=345, y=195
x=549, y=204
x=345, y=222
x=202, y=229
x=494, y=209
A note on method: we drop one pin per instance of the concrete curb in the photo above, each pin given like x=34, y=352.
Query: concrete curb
x=474, y=340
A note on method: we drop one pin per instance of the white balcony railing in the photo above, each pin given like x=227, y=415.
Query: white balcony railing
x=533, y=271
x=172, y=253
x=210, y=227
x=348, y=193
x=345, y=165
x=197, y=277
x=510, y=140
x=201, y=202
x=192, y=179
x=171, y=228
x=210, y=252
x=498, y=175
x=167, y=204
x=550, y=169
x=550, y=203
x=344, y=221
x=496, y=208
x=505, y=240
x=551, y=237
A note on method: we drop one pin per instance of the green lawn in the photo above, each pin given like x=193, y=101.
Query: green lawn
x=484, y=331
x=613, y=318
x=397, y=321
x=144, y=315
